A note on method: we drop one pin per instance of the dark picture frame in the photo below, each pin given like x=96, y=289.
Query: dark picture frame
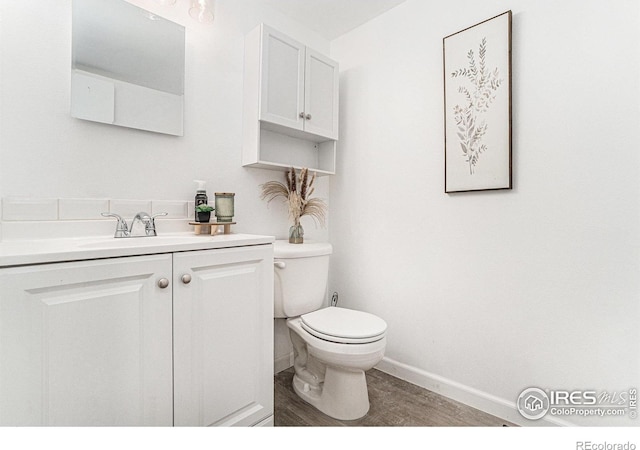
x=477, y=106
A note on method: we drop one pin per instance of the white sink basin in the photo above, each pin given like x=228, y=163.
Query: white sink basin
x=146, y=241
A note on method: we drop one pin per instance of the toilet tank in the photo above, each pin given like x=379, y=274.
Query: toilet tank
x=300, y=278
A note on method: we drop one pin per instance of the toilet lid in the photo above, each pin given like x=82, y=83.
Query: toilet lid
x=343, y=325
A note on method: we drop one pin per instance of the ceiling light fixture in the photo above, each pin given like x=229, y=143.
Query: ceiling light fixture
x=201, y=10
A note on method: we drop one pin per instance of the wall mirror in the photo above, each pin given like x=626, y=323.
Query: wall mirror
x=127, y=67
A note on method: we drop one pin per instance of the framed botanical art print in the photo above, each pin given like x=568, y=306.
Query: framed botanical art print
x=477, y=104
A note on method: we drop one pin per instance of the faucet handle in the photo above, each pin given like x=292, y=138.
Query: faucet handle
x=118, y=218
x=122, y=230
x=150, y=227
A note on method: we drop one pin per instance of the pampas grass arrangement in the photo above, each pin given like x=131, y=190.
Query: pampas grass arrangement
x=297, y=194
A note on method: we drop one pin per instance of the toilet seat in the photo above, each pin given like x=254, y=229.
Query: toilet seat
x=344, y=326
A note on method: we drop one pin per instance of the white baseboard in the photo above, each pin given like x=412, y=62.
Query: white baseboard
x=282, y=363
x=475, y=398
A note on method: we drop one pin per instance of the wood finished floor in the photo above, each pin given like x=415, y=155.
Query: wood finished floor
x=394, y=402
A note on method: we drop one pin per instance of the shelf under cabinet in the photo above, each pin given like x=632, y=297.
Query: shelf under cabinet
x=277, y=151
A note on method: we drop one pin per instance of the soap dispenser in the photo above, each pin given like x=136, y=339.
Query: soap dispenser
x=201, y=195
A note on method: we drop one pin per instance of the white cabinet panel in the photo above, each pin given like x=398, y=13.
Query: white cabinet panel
x=282, y=96
x=223, y=336
x=321, y=95
x=86, y=343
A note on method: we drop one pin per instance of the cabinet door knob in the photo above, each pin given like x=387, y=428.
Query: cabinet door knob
x=163, y=283
x=301, y=115
x=186, y=278
x=308, y=117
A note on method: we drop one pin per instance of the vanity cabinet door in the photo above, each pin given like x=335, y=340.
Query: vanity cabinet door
x=86, y=343
x=223, y=336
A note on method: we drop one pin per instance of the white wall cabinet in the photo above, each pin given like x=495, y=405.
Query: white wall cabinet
x=126, y=341
x=290, y=104
x=299, y=87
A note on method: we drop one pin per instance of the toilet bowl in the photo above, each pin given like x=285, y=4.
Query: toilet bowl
x=331, y=375
x=333, y=346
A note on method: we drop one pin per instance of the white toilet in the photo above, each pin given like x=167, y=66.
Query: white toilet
x=333, y=346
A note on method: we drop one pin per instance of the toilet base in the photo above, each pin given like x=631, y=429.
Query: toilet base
x=331, y=376
x=343, y=395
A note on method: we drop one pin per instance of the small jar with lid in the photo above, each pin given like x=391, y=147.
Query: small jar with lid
x=224, y=206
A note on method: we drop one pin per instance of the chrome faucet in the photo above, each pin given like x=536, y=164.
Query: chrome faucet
x=148, y=221
x=123, y=231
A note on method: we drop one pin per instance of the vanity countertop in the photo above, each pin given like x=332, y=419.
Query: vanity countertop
x=38, y=251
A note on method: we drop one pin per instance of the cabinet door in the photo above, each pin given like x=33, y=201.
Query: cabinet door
x=86, y=343
x=282, y=88
x=321, y=95
x=223, y=336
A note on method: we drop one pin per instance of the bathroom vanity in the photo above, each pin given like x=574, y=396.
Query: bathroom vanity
x=167, y=330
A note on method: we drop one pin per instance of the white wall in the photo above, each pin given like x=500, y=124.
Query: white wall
x=46, y=153
x=494, y=292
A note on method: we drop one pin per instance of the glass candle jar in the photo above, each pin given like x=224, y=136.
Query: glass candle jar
x=224, y=206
